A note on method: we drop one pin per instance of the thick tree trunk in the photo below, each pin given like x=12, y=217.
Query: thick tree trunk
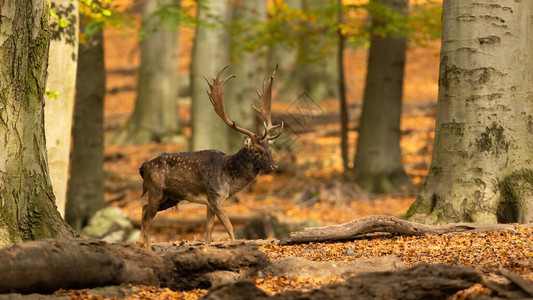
x=378, y=160
x=155, y=116
x=210, y=54
x=249, y=69
x=86, y=186
x=482, y=165
x=27, y=204
x=62, y=65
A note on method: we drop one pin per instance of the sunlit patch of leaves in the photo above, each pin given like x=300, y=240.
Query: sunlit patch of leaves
x=485, y=251
x=276, y=284
x=136, y=292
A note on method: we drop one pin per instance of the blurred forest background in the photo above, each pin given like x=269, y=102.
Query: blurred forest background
x=140, y=88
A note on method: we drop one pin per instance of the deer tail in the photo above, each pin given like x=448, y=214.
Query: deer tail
x=141, y=171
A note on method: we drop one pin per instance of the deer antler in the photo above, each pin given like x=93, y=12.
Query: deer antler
x=264, y=109
x=217, y=99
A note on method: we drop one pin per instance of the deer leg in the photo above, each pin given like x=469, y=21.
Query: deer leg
x=210, y=222
x=148, y=213
x=217, y=207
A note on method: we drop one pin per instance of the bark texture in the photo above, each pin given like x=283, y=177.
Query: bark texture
x=210, y=54
x=48, y=265
x=378, y=164
x=481, y=170
x=58, y=112
x=382, y=224
x=86, y=186
x=27, y=203
x=155, y=117
x=248, y=67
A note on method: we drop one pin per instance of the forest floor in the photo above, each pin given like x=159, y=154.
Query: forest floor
x=313, y=172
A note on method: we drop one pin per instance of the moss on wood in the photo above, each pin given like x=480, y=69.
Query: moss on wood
x=516, y=197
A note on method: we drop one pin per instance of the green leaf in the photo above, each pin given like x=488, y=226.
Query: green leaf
x=63, y=23
x=51, y=94
x=53, y=14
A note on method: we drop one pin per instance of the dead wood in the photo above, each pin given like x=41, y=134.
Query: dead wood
x=523, y=284
x=389, y=224
x=422, y=281
x=516, y=288
x=48, y=265
x=201, y=267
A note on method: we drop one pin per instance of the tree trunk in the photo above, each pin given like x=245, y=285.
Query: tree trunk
x=63, y=60
x=86, y=186
x=155, y=116
x=378, y=161
x=27, y=204
x=210, y=54
x=249, y=69
x=343, y=101
x=481, y=169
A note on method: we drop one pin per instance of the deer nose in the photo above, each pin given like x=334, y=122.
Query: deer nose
x=273, y=168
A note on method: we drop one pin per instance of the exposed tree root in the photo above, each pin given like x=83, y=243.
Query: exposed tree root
x=519, y=288
x=379, y=224
x=48, y=265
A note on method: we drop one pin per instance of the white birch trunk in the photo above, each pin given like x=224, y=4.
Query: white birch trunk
x=62, y=65
x=481, y=169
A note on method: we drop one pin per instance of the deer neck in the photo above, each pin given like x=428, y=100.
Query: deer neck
x=241, y=168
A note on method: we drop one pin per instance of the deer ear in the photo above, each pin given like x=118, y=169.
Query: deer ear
x=247, y=142
x=270, y=142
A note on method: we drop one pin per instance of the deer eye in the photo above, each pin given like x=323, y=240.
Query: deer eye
x=257, y=152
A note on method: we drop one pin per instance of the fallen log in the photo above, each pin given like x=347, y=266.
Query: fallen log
x=48, y=265
x=377, y=224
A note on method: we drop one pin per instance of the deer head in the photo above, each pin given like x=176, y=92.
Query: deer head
x=257, y=145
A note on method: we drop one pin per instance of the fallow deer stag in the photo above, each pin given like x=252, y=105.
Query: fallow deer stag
x=210, y=176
